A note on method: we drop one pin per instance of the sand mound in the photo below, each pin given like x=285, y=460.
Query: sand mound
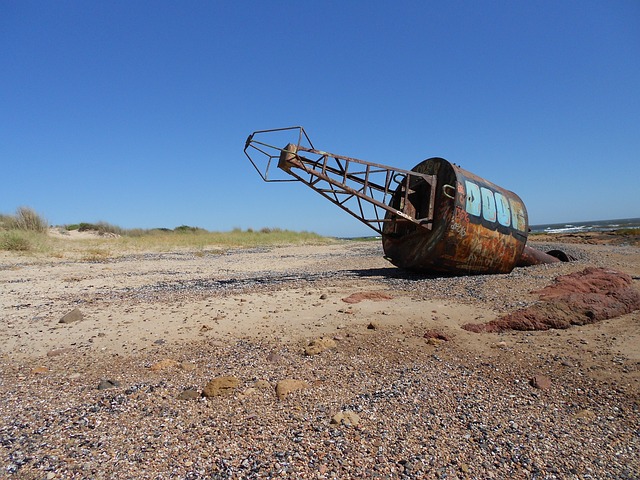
x=60, y=232
x=578, y=299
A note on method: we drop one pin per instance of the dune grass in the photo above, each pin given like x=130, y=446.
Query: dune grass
x=23, y=232
x=201, y=240
x=108, y=241
x=100, y=248
x=27, y=232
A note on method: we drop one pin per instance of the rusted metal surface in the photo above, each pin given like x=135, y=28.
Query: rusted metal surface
x=435, y=218
x=531, y=256
x=479, y=227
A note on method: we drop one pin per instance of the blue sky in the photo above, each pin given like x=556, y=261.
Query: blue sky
x=136, y=113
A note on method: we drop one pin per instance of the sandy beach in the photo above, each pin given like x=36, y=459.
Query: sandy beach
x=308, y=362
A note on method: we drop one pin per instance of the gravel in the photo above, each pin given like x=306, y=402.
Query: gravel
x=423, y=411
x=423, y=415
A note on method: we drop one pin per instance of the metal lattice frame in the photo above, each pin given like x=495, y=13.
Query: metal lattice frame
x=361, y=188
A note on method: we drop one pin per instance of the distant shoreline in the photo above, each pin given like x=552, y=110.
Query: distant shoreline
x=587, y=226
x=577, y=232
x=610, y=237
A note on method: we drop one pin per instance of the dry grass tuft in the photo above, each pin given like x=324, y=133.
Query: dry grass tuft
x=15, y=241
x=27, y=219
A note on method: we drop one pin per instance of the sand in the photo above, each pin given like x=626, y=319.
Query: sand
x=431, y=399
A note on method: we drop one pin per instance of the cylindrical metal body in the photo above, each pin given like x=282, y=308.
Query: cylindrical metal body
x=531, y=256
x=478, y=227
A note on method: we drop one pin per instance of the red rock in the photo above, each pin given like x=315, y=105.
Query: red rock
x=578, y=299
x=540, y=381
x=601, y=281
x=435, y=334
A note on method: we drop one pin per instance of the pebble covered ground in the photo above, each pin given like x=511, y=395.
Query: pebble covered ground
x=376, y=401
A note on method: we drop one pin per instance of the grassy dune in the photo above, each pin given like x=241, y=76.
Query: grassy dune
x=96, y=247
x=24, y=234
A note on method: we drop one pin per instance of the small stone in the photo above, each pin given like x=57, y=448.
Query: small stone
x=163, y=365
x=540, y=381
x=319, y=345
x=58, y=351
x=189, y=394
x=348, y=418
x=105, y=384
x=373, y=326
x=220, y=386
x=74, y=315
x=39, y=370
x=374, y=296
x=187, y=366
x=262, y=384
x=435, y=334
x=585, y=415
x=285, y=387
x=275, y=357
x=323, y=296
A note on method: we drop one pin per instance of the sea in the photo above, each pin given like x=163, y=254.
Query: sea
x=589, y=226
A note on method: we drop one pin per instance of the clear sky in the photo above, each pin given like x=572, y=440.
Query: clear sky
x=136, y=113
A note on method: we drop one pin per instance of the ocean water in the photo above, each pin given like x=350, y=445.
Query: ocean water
x=589, y=226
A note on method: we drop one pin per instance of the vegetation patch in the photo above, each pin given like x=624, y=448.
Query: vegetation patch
x=102, y=228
x=96, y=255
x=15, y=241
x=25, y=219
x=27, y=231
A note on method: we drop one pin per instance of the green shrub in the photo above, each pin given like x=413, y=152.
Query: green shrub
x=85, y=227
x=188, y=229
x=100, y=227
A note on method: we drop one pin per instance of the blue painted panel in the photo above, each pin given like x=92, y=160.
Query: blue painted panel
x=474, y=203
x=488, y=205
x=503, y=210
